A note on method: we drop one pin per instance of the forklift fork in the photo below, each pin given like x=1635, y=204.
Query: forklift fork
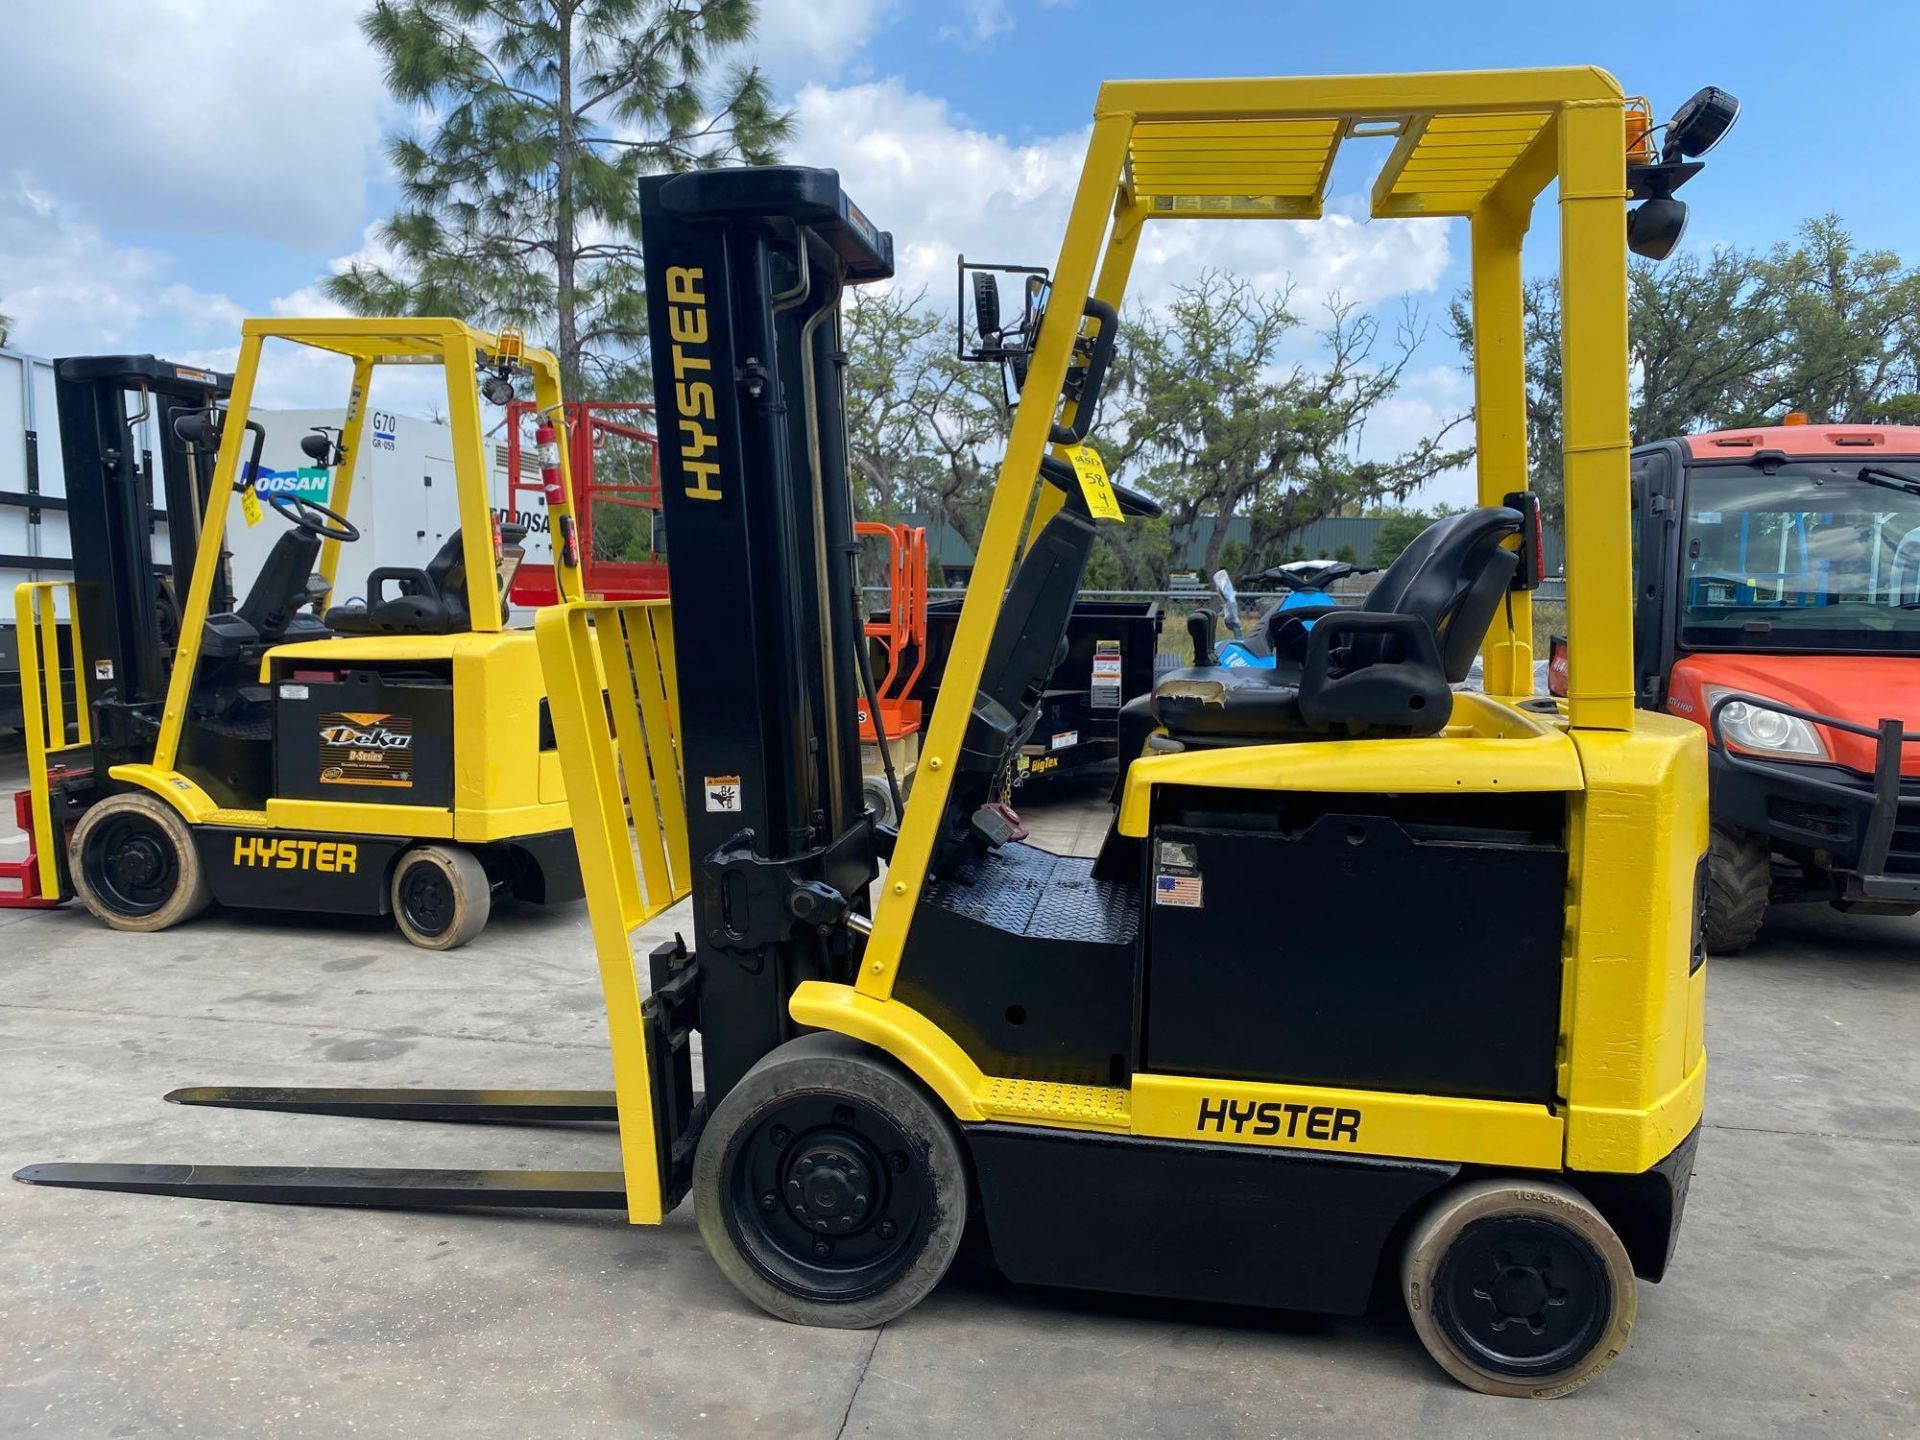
x=379, y=1187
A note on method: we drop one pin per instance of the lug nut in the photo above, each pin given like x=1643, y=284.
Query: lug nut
x=780, y=1135
x=842, y=1115
x=822, y=1248
x=886, y=1230
x=769, y=1201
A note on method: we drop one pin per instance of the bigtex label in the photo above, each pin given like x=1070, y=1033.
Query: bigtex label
x=262, y=852
x=357, y=748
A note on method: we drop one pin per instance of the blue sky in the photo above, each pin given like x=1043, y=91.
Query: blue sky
x=212, y=160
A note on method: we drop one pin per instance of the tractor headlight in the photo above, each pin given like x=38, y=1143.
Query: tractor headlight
x=1747, y=724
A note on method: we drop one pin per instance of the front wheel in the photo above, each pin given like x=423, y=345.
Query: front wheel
x=134, y=864
x=1518, y=1288
x=441, y=896
x=1739, y=876
x=829, y=1187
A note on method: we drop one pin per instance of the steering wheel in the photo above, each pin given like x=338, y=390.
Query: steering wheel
x=299, y=511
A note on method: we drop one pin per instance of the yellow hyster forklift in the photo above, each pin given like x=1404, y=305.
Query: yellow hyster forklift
x=275, y=751
x=1372, y=977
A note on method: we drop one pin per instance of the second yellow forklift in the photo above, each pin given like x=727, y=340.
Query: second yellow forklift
x=276, y=750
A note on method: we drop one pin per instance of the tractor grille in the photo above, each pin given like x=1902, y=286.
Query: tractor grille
x=1903, y=856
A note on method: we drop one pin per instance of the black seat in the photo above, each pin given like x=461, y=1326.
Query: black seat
x=1383, y=669
x=283, y=588
x=429, y=601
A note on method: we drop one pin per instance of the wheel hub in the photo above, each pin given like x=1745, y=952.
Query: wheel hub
x=428, y=899
x=138, y=861
x=828, y=1186
x=1523, y=1294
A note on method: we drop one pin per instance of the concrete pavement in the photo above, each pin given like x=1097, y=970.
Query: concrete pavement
x=1793, y=1306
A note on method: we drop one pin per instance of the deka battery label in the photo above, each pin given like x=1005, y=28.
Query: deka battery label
x=357, y=748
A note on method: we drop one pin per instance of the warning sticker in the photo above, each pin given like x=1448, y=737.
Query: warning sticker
x=358, y=748
x=1182, y=890
x=723, y=794
x=1105, y=691
x=250, y=509
x=1176, y=856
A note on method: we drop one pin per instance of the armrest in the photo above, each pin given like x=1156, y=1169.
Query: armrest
x=1408, y=696
x=410, y=578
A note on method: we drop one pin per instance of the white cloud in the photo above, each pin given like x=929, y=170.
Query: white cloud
x=980, y=22
x=943, y=188
x=816, y=40
x=71, y=289
x=196, y=116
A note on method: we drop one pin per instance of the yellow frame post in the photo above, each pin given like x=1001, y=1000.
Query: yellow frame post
x=999, y=545
x=341, y=495
x=470, y=479
x=1593, y=321
x=213, y=529
x=1500, y=421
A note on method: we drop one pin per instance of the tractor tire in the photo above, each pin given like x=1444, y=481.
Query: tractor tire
x=134, y=864
x=441, y=896
x=1518, y=1288
x=830, y=1187
x=1739, y=877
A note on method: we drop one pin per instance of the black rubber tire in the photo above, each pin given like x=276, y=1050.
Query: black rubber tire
x=809, y=1069
x=457, y=908
x=179, y=890
x=1739, y=877
x=1426, y=1280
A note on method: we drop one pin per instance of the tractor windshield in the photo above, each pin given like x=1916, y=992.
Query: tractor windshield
x=1810, y=557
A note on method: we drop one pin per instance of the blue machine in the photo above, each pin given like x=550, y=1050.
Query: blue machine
x=1306, y=600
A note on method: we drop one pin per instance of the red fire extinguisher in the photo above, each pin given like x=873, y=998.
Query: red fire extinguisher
x=549, y=462
x=549, y=447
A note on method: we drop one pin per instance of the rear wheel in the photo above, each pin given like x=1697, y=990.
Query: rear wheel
x=1739, y=874
x=441, y=896
x=1518, y=1289
x=134, y=864
x=830, y=1189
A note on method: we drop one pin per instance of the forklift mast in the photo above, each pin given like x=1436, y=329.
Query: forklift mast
x=745, y=271
x=119, y=603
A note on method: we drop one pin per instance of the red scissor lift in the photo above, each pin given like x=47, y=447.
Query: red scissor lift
x=614, y=462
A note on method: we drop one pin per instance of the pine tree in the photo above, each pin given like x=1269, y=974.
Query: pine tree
x=518, y=188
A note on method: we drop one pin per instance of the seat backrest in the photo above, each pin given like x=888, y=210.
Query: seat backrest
x=448, y=572
x=1452, y=576
x=280, y=589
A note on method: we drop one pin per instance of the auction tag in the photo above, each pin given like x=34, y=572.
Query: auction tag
x=1094, y=484
x=250, y=509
